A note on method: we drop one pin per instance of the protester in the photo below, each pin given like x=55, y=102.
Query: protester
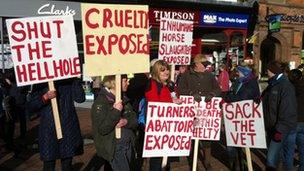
x=223, y=79
x=296, y=78
x=198, y=82
x=158, y=91
x=280, y=112
x=50, y=148
x=96, y=84
x=14, y=104
x=246, y=88
x=108, y=115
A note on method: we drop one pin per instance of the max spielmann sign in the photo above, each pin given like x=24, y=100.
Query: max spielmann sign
x=228, y=20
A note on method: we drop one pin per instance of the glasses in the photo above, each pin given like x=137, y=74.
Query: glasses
x=162, y=69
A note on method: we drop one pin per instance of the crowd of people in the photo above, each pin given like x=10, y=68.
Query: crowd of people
x=281, y=100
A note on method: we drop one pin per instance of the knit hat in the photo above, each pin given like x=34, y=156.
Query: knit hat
x=274, y=67
x=244, y=70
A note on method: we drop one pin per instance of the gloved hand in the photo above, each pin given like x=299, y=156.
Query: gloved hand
x=197, y=98
x=209, y=97
x=277, y=136
x=257, y=100
x=171, y=86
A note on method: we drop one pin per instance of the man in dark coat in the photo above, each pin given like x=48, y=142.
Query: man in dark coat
x=296, y=78
x=280, y=111
x=67, y=92
x=199, y=82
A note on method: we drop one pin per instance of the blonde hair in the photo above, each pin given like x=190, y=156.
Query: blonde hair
x=199, y=58
x=156, y=69
x=109, y=81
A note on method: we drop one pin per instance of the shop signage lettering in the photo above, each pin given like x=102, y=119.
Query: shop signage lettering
x=228, y=20
x=51, y=10
x=174, y=15
x=210, y=18
x=293, y=18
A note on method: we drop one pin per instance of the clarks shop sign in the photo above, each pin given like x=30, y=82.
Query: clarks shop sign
x=52, y=9
x=31, y=8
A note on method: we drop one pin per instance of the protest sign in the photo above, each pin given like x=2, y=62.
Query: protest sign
x=43, y=49
x=208, y=116
x=116, y=39
x=175, y=41
x=168, y=129
x=244, y=124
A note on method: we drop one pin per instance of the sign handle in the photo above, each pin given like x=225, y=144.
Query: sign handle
x=248, y=157
x=117, y=99
x=164, y=162
x=55, y=112
x=194, y=164
x=172, y=74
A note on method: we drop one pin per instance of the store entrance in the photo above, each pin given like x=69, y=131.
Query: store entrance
x=270, y=50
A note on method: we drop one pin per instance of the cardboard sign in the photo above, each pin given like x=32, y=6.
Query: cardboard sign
x=175, y=41
x=115, y=39
x=168, y=129
x=43, y=49
x=207, y=120
x=244, y=124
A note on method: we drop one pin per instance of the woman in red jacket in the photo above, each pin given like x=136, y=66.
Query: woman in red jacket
x=160, y=91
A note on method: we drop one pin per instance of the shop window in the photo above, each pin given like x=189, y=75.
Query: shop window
x=154, y=38
x=236, y=50
x=213, y=46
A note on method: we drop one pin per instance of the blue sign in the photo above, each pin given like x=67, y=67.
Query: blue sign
x=227, y=20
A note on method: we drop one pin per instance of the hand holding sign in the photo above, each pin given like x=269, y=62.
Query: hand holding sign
x=49, y=95
x=118, y=105
x=122, y=122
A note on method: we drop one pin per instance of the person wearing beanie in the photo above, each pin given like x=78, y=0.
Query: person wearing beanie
x=280, y=115
x=245, y=87
x=198, y=82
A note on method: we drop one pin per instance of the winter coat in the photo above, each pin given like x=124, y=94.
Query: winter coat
x=68, y=92
x=193, y=83
x=104, y=120
x=299, y=88
x=280, y=105
x=245, y=89
x=157, y=92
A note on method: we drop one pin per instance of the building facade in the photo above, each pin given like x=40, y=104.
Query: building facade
x=287, y=43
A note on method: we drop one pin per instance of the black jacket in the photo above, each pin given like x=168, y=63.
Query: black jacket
x=244, y=90
x=280, y=105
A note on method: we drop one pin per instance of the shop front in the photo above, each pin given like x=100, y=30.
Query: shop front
x=286, y=43
x=220, y=36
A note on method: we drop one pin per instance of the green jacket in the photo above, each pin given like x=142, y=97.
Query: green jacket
x=104, y=120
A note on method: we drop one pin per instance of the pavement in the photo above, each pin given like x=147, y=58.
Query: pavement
x=28, y=156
